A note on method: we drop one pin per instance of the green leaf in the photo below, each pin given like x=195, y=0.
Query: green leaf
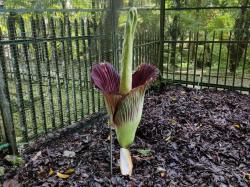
x=15, y=160
x=3, y=146
x=144, y=152
x=2, y=170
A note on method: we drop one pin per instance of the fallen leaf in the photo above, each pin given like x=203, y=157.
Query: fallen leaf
x=70, y=171
x=163, y=174
x=237, y=125
x=108, y=138
x=39, y=153
x=2, y=170
x=183, y=92
x=42, y=172
x=51, y=171
x=15, y=160
x=62, y=176
x=173, y=98
x=173, y=122
x=160, y=169
x=168, y=139
x=69, y=154
x=247, y=176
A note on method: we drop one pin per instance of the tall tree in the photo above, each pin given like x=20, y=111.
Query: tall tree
x=108, y=25
x=175, y=31
x=241, y=33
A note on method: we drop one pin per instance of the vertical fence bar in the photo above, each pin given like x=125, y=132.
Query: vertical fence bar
x=72, y=63
x=58, y=82
x=182, y=45
x=195, y=59
x=86, y=80
x=102, y=51
x=140, y=48
x=97, y=56
x=79, y=68
x=157, y=49
x=211, y=59
x=65, y=70
x=90, y=62
x=114, y=37
x=219, y=59
x=168, y=52
x=137, y=51
x=119, y=47
x=228, y=53
x=6, y=114
x=188, y=57
x=203, y=59
x=7, y=118
x=162, y=26
x=118, y=50
x=30, y=87
x=14, y=56
x=145, y=47
x=243, y=66
x=39, y=74
x=48, y=69
x=173, y=57
x=151, y=48
x=4, y=69
x=236, y=63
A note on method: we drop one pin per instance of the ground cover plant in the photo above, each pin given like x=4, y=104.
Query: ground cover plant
x=187, y=137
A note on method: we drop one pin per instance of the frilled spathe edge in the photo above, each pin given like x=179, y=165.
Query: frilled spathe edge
x=107, y=80
x=123, y=108
x=144, y=74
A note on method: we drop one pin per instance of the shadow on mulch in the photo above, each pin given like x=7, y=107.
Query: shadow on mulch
x=186, y=138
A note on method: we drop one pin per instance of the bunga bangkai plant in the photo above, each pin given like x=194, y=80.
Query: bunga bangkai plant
x=124, y=94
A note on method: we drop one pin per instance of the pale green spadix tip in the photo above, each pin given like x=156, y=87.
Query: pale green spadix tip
x=127, y=52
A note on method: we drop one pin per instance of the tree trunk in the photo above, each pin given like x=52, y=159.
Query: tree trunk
x=8, y=126
x=241, y=33
x=174, y=34
x=131, y=3
x=107, y=28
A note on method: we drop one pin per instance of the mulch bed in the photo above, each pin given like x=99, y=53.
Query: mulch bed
x=186, y=138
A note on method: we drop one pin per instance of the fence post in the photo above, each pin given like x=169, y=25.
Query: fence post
x=15, y=62
x=6, y=114
x=162, y=25
x=114, y=48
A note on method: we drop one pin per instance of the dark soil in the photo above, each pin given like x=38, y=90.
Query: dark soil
x=186, y=138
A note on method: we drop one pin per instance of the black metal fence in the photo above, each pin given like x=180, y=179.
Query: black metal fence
x=201, y=56
x=45, y=60
x=206, y=62
x=46, y=57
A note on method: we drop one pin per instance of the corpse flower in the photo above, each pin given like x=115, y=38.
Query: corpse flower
x=124, y=94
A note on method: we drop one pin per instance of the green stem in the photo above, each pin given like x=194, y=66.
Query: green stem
x=127, y=52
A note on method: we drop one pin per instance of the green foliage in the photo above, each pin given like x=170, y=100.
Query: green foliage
x=144, y=152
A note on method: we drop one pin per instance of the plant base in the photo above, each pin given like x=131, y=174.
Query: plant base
x=126, y=164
